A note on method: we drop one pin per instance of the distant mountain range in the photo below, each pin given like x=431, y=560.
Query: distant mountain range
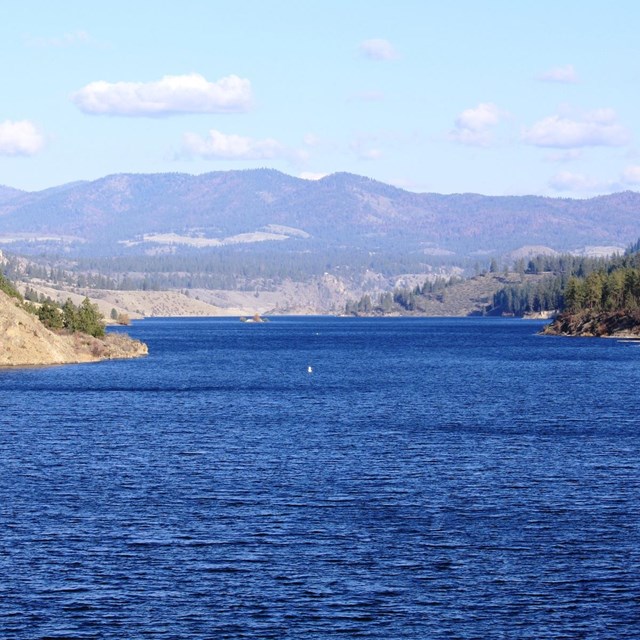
x=133, y=214
x=8, y=193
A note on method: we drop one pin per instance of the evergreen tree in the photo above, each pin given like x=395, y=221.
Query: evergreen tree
x=90, y=319
x=50, y=315
x=70, y=319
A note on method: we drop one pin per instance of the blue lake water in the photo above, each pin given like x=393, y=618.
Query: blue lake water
x=431, y=478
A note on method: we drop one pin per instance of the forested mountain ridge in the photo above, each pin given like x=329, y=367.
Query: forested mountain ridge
x=8, y=193
x=133, y=212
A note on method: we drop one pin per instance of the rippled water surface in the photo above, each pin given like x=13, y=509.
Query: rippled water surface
x=429, y=479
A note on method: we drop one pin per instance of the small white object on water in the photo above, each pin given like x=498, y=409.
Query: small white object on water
x=309, y=369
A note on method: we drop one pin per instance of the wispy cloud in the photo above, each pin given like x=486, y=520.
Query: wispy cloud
x=220, y=146
x=70, y=39
x=475, y=126
x=378, y=49
x=20, y=138
x=565, y=75
x=598, y=128
x=580, y=183
x=576, y=182
x=172, y=95
x=631, y=176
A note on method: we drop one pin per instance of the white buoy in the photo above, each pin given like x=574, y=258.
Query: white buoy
x=309, y=369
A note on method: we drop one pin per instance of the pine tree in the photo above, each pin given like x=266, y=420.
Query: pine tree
x=50, y=316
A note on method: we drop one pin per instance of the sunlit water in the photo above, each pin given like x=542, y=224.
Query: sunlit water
x=429, y=479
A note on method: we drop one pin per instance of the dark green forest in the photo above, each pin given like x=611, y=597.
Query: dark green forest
x=575, y=284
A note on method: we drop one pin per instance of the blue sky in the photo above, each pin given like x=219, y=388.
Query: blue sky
x=487, y=96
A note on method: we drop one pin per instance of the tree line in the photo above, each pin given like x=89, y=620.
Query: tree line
x=83, y=318
x=400, y=299
x=575, y=283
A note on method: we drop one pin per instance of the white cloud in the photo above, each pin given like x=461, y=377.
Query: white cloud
x=567, y=181
x=171, y=95
x=565, y=74
x=20, y=138
x=378, y=49
x=631, y=175
x=474, y=126
x=217, y=145
x=579, y=183
x=594, y=129
x=484, y=115
x=606, y=115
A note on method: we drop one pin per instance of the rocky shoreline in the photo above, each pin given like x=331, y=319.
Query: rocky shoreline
x=25, y=341
x=614, y=324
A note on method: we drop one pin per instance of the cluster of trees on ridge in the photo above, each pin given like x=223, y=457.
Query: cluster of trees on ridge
x=83, y=318
x=575, y=284
x=564, y=282
x=400, y=299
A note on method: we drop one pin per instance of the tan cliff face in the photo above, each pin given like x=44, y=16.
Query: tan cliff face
x=25, y=341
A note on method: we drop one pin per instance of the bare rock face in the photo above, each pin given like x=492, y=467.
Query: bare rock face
x=25, y=341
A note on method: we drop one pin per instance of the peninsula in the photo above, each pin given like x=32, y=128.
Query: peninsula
x=26, y=341
x=604, y=324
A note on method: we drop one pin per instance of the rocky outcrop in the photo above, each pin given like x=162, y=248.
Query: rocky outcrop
x=617, y=324
x=25, y=341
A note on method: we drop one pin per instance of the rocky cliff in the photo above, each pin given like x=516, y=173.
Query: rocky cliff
x=25, y=341
x=614, y=324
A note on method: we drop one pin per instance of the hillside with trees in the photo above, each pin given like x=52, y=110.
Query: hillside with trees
x=276, y=225
x=547, y=292
x=45, y=333
x=262, y=232
x=453, y=296
x=593, y=297
x=605, y=302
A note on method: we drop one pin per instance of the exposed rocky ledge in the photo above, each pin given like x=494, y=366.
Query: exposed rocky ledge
x=614, y=324
x=25, y=341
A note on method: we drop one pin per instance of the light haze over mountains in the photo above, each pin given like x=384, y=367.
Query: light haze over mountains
x=129, y=214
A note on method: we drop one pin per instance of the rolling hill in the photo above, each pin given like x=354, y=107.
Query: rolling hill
x=130, y=214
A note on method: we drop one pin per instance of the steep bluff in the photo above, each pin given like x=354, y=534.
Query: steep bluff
x=25, y=341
